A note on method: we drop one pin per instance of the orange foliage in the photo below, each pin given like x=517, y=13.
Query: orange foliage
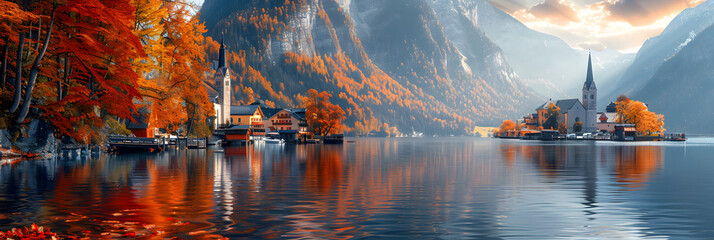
x=636, y=112
x=322, y=116
x=89, y=59
x=173, y=39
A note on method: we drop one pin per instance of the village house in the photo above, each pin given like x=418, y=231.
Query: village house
x=142, y=126
x=571, y=110
x=608, y=119
x=250, y=115
x=286, y=119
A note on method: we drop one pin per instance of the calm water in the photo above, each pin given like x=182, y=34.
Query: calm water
x=377, y=188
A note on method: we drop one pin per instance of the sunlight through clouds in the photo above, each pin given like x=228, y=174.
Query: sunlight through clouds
x=621, y=25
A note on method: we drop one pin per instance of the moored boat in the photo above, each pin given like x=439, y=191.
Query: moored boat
x=334, y=139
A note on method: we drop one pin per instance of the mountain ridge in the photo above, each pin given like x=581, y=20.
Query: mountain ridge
x=420, y=80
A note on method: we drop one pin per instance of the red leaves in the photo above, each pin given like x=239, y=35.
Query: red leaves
x=95, y=39
x=33, y=233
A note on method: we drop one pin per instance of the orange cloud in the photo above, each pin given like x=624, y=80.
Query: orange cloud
x=644, y=12
x=591, y=24
x=559, y=12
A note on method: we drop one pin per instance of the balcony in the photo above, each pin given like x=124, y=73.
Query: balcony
x=282, y=124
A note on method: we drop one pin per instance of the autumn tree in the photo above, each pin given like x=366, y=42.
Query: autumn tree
x=636, y=112
x=72, y=63
x=578, y=126
x=323, y=117
x=551, y=117
x=562, y=128
x=507, y=125
x=172, y=74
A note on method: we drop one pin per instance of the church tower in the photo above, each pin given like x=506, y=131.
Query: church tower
x=222, y=81
x=590, y=100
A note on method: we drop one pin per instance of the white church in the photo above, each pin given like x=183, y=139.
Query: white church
x=220, y=92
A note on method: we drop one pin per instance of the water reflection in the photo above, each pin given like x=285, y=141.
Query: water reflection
x=633, y=164
x=414, y=188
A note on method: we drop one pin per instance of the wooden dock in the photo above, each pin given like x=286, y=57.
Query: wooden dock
x=134, y=144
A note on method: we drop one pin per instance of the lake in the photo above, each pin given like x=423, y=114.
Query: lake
x=449, y=188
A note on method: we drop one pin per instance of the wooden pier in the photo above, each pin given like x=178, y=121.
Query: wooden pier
x=135, y=144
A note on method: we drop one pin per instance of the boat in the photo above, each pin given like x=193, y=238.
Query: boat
x=334, y=139
x=273, y=138
x=416, y=134
x=274, y=141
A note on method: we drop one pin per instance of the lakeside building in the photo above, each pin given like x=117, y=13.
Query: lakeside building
x=571, y=110
x=286, y=119
x=248, y=115
x=608, y=119
x=142, y=127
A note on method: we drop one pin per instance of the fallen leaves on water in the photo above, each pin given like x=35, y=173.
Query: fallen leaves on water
x=32, y=233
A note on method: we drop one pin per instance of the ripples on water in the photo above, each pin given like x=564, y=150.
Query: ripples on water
x=402, y=188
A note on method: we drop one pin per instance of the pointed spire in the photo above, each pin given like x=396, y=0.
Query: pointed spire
x=222, y=55
x=589, y=78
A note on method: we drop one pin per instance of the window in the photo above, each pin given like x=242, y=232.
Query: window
x=592, y=96
x=228, y=83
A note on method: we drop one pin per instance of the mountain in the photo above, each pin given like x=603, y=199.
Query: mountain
x=682, y=89
x=544, y=62
x=655, y=51
x=396, y=62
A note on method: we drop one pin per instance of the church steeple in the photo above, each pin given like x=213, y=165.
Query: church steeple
x=222, y=56
x=589, y=79
x=590, y=100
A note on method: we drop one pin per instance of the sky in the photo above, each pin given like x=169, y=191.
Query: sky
x=622, y=25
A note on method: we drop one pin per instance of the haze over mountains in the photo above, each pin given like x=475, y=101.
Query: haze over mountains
x=435, y=66
x=674, y=72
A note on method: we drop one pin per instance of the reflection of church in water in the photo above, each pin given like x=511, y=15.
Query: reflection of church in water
x=631, y=166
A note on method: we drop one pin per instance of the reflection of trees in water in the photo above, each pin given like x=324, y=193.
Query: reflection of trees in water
x=117, y=195
x=323, y=168
x=635, y=165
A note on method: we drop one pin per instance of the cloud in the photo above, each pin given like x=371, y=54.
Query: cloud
x=617, y=24
x=644, y=12
x=560, y=12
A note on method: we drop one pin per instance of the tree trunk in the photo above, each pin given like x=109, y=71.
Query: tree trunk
x=67, y=73
x=37, y=37
x=18, y=75
x=59, y=83
x=34, y=71
x=4, y=64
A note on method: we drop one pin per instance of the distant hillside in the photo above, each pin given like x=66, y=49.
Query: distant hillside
x=394, y=62
x=683, y=87
x=655, y=51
